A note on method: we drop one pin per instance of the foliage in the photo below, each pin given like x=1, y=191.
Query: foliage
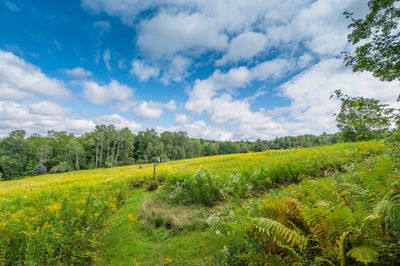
x=62, y=167
x=39, y=169
x=53, y=219
x=107, y=146
x=258, y=176
x=199, y=188
x=362, y=118
x=346, y=218
x=376, y=39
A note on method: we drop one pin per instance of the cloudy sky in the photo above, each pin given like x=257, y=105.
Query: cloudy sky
x=220, y=69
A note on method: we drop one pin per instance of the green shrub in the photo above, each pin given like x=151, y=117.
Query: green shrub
x=199, y=188
x=62, y=167
x=39, y=169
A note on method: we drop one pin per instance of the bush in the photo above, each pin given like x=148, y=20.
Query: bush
x=199, y=188
x=39, y=169
x=61, y=168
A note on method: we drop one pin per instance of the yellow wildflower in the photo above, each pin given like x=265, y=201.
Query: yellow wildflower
x=166, y=261
x=132, y=218
x=80, y=212
x=55, y=207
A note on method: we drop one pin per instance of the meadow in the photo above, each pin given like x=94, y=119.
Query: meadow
x=108, y=216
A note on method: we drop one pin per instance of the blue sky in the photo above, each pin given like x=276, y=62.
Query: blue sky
x=216, y=69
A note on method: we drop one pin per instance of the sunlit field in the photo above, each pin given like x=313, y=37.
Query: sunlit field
x=58, y=218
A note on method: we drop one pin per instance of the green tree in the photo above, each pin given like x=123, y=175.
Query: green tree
x=377, y=40
x=362, y=118
x=14, y=150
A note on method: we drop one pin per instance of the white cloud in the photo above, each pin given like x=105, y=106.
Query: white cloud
x=20, y=79
x=12, y=6
x=311, y=111
x=31, y=118
x=118, y=122
x=106, y=59
x=78, y=72
x=320, y=25
x=142, y=71
x=200, y=97
x=244, y=46
x=47, y=108
x=28, y=117
x=153, y=110
x=181, y=119
x=100, y=94
x=166, y=34
x=177, y=69
x=200, y=129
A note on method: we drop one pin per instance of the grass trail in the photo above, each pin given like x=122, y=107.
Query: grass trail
x=125, y=242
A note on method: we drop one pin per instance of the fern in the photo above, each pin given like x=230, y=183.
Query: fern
x=364, y=254
x=341, y=246
x=280, y=233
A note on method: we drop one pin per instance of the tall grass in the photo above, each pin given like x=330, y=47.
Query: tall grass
x=54, y=219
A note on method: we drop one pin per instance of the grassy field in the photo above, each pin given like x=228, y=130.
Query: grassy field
x=97, y=216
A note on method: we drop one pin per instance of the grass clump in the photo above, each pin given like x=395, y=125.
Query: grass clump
x=155, y=212
x=197, y=188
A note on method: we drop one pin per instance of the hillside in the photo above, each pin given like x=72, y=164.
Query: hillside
x=105, y=216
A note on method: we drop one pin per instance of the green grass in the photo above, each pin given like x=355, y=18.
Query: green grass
x=126, y=242
x=60, y=218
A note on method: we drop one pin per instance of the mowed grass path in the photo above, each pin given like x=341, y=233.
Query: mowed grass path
x=125, y=242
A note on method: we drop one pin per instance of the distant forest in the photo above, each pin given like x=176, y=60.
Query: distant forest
x=107, y=146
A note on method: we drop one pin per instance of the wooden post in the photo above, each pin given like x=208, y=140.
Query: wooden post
x=155, y=166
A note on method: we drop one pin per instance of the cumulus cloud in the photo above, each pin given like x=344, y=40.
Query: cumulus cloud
x=20, y=80
x=35, y=120
x=181, y=119
x=177, y=69
x=244, y=46
x=142, y=71
x=105, y=93
x=311, y=111
x=44, y=116
x=200, y=97
x=320, y=25
x=200, y=129
x=78, y=72
x=47, y=108
x=153, y=110
x=118, y=122
x=166, y=34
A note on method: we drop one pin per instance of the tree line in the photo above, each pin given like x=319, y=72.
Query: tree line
x=107, y=146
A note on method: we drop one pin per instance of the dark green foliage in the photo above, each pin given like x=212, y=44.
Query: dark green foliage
x=362, y=118
x=62, y=167
x=377, y=40
x=39, y=169
x=107, y=146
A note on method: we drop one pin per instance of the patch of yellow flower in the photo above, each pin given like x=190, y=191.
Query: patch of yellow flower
x=166, y=261
x=55, y=207
x=132, y=218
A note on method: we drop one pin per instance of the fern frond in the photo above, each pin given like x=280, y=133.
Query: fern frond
x=341, y=242
x=280, y=233
x=364, y=254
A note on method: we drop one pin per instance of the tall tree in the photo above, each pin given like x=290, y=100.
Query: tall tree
x=362, y=118
x=377, y=40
